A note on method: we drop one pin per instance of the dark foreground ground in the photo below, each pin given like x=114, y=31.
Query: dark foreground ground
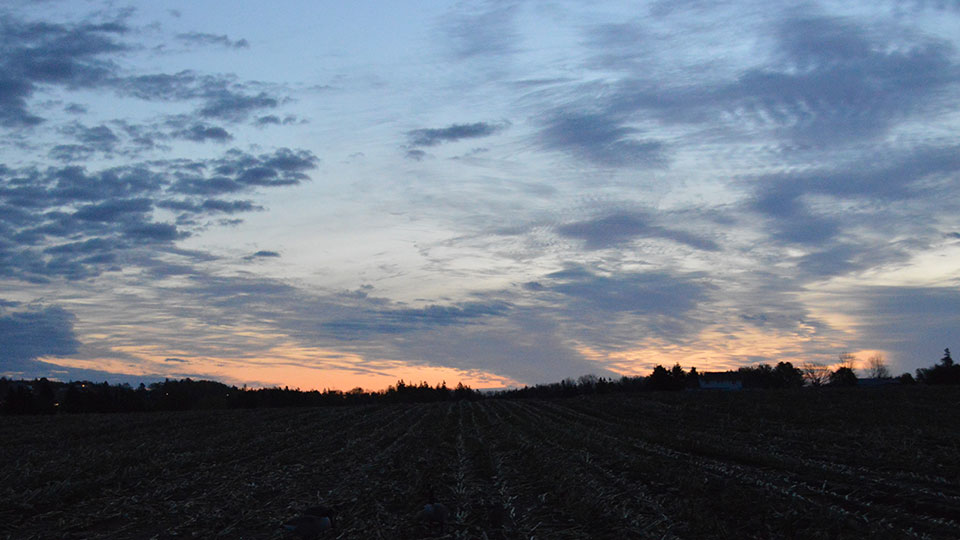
x=867, y=463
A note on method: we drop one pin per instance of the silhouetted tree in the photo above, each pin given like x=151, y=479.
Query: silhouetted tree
x=18, y=400
x=815, y=373
x=759, y=376
x=588, y=383
x=787, y=376
x=877, y=367
x=464, y=392
x=946, y=372
x=843, y=376
x=661, y=379
x=44, y=397
x=848, y=360
x=784, y=375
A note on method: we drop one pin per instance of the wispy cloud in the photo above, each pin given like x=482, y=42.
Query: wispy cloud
x=203, y=38
x=453, y=133
x=604, y=139
x=619, y=228
x=262, y=254
x=489, y=31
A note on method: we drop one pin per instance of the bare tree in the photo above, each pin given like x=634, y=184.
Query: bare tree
x=877, y=367
x=815, y=373
x=848, y=360
x=588, y=381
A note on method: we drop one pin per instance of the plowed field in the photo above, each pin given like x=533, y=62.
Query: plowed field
x=877, y=463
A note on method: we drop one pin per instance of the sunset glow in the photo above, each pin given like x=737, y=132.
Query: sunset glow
x=491, y=193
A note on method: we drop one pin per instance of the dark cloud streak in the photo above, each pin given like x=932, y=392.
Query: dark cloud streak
x=202, y=38
x=601, y=139
x=36, y=332
x=619, y=228
x=453, y=133
x=648, y=293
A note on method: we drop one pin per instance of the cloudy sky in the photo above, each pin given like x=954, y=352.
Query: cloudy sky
x=343, y=194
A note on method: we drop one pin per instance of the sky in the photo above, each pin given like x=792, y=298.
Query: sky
x=342, y=194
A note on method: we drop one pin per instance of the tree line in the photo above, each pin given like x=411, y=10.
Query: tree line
x=43, y=396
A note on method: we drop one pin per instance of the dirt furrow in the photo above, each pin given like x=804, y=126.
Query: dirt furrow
x=831, y=495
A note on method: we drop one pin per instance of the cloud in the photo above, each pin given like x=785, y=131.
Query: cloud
x=202, y=38
x=613, y=311
x=34, y=55
x=452, y=133
x=94, y=245
x=842, y=258
x=179, y=86
x=228, y=207
x=89, y=140
x=620, y=46
x=484, y=333
x=896, y=175
x=262, y=254
x=222, y=98
x=914, y=323
x=238, y=171
x=885, y=182
x=489, y=33
x=100, y=137
x=153, y=232
x=368, y=323
x=344, y=315
x=36, y=332
x=638, y=293
x=113, y=210
x=203, y=133
x=70, y=152
x=116, y=205
x=234, y=106
x=284, y=167
x=602, y=139
x=527, y=345
x=793, y=221
x=141, y=137
x=795, y=141
x=830, y=81
x=416, y=154
x=44, y=53
x=619, y=228
x=270, y=119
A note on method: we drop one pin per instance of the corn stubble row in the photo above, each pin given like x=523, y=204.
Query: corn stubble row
x=807, y=465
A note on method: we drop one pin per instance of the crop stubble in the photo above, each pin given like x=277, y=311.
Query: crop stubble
x=851, y=464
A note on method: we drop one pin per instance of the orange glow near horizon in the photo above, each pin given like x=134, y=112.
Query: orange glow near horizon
x=314, y=368
x=295, y=367
x=713, y=351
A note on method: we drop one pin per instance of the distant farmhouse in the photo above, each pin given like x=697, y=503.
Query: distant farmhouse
x=721, y=380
